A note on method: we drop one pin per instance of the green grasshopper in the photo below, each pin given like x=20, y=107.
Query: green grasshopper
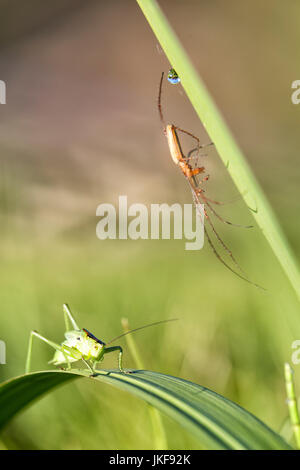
x=81, y=345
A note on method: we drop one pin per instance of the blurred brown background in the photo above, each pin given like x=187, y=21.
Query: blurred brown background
x=82, y=81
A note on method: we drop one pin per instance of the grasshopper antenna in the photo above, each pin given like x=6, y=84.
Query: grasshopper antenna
x=141, y=328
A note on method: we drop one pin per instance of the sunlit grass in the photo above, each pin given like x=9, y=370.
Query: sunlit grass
x=224, y=141
x=230, y=337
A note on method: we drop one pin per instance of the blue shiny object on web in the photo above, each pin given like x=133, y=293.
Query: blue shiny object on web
x=173, y=77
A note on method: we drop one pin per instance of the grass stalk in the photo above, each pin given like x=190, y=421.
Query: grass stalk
x=160, y=438
x=292, y=402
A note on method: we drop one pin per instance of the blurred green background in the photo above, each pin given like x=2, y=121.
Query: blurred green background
x=81, y=127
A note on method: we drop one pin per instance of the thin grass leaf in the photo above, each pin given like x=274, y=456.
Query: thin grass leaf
x=215, y=421
x=223, y=139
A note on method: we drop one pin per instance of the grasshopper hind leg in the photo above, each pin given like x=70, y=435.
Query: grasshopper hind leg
x=120, y=359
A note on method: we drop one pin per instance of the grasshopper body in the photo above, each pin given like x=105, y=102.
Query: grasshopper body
x=79, y=345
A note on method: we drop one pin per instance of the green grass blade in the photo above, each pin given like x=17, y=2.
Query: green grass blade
x=292, y=402
x=217, y=422
x=17, y=393
x=224, y=141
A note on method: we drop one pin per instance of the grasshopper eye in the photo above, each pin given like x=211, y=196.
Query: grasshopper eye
x=78, y=339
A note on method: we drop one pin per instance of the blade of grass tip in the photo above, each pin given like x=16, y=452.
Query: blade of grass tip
x=228, y=149
x=292, y=402
x=160, y=438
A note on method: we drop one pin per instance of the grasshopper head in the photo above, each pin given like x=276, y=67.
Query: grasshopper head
x=85, y=343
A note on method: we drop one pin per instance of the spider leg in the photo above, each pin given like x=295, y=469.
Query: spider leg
x=222, y=219
x=199, y=148
x=196, y=199
x=225, y=264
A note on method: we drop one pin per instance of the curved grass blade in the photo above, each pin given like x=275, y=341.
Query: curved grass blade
x=19, y=392
x=217, y=422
